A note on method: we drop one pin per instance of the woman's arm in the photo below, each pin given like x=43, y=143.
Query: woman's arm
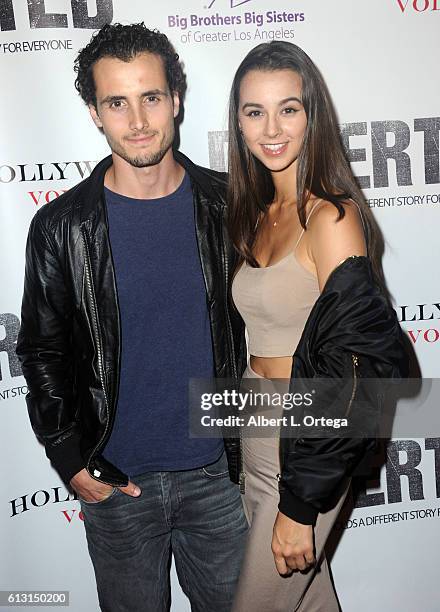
x=329, y=241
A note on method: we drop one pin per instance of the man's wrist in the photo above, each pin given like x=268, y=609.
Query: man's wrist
x=66, y=457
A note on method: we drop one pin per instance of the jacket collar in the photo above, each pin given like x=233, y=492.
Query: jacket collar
x=94, y=185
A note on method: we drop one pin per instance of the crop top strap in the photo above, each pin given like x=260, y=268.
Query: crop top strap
x=307, y=220
x=364, y=227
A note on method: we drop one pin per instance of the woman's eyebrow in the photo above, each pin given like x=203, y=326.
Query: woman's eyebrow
x=284, y=101
x=290, y=99
x=253, y=104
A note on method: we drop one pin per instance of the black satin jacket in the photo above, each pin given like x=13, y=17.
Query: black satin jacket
x=69, y=342
x=352, y=332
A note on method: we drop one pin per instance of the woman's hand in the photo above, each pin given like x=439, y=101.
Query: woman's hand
x=292, y=545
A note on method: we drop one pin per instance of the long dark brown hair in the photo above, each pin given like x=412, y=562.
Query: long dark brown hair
x=323, y=170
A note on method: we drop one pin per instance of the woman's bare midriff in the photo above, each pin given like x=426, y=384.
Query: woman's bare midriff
x=272, y=367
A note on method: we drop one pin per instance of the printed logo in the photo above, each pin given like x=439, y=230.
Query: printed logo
x=39, y=18
x=382, y=142
x=43, y=497
x=9, y=327
x=37, y=172
x=232, y=3
x=419, y=6
x=239, y=26
x=403, y=473
x=403, y=469
x=418, y=313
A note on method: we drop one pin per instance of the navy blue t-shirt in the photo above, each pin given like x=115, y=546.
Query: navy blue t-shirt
x=166, y=336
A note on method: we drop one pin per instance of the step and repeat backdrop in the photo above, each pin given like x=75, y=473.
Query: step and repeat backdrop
x=380, y=60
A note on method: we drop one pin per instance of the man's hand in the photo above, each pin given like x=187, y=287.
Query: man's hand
x=292, y=545
x=91, y=490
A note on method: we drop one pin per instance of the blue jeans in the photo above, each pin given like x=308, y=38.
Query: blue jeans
x=196, y=514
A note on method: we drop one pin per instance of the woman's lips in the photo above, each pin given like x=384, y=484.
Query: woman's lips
x=274, y=150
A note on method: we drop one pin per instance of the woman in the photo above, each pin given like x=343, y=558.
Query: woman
x=305, y=240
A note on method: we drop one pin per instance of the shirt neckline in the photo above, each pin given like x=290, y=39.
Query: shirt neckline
x=174, y=195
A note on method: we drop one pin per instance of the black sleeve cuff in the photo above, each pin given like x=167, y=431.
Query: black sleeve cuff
x=66, y=457
x=297, y=509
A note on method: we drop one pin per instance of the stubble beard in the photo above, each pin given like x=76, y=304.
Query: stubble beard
x=146, y=159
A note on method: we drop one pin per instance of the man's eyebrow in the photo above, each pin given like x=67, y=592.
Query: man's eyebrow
x=145, y=94
x=284, y=101
x=109, y=99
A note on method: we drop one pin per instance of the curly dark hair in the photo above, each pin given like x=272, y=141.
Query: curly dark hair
x=124, y=42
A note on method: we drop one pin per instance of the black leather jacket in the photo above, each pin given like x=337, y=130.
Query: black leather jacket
x=69, y=341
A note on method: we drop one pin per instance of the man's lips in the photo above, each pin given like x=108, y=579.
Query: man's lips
x=141, y=139
x=274, y=150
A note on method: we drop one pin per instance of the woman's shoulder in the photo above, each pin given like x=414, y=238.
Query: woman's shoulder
x=326, y=222
x=332, y=238
x=323, y=212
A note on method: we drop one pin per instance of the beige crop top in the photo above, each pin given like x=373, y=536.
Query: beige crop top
x=275, y=303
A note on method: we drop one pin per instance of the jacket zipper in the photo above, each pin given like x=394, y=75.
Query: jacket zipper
x=228, y=323
x=89, y=281
x=355, y=363
x=339, y=265
x=242, y=473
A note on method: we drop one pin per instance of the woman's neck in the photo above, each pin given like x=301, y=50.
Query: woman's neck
x=284, y=183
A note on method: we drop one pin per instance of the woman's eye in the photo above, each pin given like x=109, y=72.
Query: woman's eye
x=254, y=113
x=290, y=111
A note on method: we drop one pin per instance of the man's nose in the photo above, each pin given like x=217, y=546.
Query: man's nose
x=138, y=118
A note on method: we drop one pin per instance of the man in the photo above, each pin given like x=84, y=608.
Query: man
x=124, y=300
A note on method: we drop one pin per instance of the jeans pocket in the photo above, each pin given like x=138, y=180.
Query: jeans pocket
x=100, y=501
x=217, y=469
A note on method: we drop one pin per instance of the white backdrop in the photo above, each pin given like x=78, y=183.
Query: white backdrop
x=380, y=61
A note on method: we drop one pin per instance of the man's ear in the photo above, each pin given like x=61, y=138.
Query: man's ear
x=94, y=115
x=176, y=103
